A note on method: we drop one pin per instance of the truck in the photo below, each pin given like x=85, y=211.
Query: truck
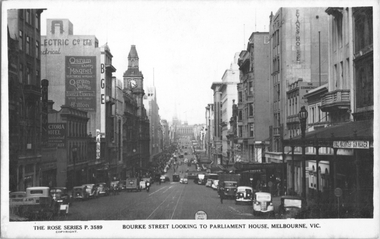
x=228, y=183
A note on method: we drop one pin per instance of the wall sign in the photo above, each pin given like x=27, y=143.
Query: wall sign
x=57, y=135
x=351, y=144
x=298, y=37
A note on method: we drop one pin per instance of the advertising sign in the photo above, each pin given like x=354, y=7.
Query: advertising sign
x=57, y=135
x=351, y=144
x=80, y=77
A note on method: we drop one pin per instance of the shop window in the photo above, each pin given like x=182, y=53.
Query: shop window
x=20, y=40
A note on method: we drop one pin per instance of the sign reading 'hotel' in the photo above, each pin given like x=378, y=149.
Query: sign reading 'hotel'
x=351, y=144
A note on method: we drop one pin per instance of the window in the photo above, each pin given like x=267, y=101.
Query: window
x=21, y=14
x=37, y=21
x=251, y=129
x=250, y=88
x=38, y=77
x=251, y=109
x=28, y=15
x=21, y=73
x=240, y=115
x=37, y=49
x=240, y=96
x=339, y=30
x=27, y=45
x=20, y=40
x=28, y=76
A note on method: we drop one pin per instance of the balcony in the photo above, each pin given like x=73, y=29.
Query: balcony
x=32, y=92
x=336, y=100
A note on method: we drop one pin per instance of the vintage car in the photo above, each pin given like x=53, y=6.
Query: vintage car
x=208, y=183
x=17, y=194
x=122, y=184
x=79, y=192
x=262, y=204
x=132, y=184
x=244, y=194
x=36, y=205
x=175, y=177
x=291, y=207
x=183, y=180
x=103, y=189
x=91, y=189
x=215, y=183
x=228, y=188
x=165, y=178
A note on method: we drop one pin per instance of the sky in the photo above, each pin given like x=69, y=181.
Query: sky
x=183, y=46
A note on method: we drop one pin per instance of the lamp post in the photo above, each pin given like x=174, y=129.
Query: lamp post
x=302, y=115
x=74, y=155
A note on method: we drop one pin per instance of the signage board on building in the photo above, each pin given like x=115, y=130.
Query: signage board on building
x=351, y=144
x=57, y=135
x=80, y=79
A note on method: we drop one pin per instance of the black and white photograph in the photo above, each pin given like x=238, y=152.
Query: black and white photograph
x=189, y=119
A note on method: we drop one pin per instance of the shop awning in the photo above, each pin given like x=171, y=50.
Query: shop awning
x=325, y=137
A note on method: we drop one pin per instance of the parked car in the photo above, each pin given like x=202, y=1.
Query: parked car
x=291, y=207
x=262, y=204
x=36, y=205
x=122, y=184
x=132, y=184
x=244, y=194
x=209, y=183
x=17, y=194
x=175, y=177
x=91, y=190
x=215, y=183
x=80, y=192
x=103, y=189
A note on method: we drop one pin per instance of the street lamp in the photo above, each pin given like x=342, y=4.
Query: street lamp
x=302, y=115
x=74, y=155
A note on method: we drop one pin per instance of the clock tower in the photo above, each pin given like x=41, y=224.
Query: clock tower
x=134, y=79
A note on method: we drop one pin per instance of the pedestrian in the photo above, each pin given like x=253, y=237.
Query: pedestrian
x=221, y=195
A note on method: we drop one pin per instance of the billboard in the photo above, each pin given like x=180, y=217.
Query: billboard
x=80, y=79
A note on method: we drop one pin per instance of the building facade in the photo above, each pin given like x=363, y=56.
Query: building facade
x=253, y=100
x=134, y=85
x=27, y=131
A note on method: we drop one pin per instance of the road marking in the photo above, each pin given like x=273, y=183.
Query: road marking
x=157, y=190
x=183, y=188
x=159, y=205
x=167, y=189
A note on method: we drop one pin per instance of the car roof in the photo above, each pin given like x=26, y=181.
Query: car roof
x=263, y=193
x=244, y=187
x=37, y=188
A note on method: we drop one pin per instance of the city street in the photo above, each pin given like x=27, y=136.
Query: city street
x=170, y=200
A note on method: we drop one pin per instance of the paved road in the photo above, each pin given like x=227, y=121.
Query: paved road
x=170, y=200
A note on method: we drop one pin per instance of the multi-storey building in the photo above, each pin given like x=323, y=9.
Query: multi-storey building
x=225, y=92
x=209, y=128
x=69, y=154
x=118, y=111
x=152, y=108
x=134, y=85
x=27, y=131
x=253, y=101
x=165, y=134
x=346, y=140
x=298, y=45
x=80, y=76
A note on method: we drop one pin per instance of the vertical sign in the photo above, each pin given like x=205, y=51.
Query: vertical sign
x=102, y=93
x=81, y=82
x=298, y=37
x=97, y=145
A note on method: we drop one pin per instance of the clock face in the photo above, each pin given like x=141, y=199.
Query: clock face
x=133, y=84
